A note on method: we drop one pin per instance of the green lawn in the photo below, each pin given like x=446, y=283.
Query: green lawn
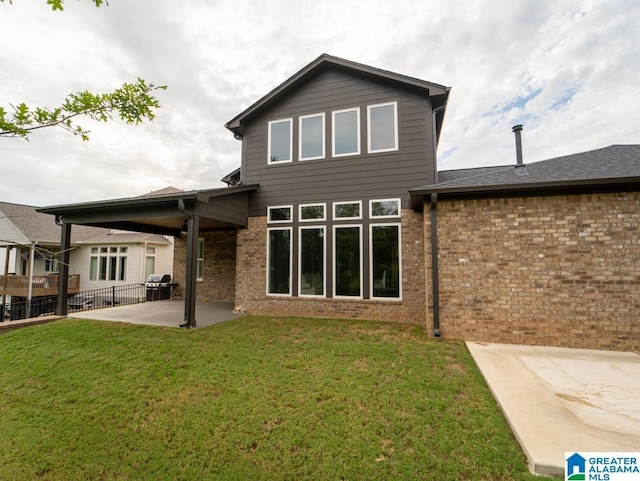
x=250, y=399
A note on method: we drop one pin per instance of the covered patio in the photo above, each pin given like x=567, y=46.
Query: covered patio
x=161, y=313
x=172, y=213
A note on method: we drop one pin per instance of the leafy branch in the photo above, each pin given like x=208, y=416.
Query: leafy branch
x=59, y=4
x=133, y=103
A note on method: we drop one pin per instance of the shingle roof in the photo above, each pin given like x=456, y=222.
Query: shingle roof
x=616, y=164
x=41, y=228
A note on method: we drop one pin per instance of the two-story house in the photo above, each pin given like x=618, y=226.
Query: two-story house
x=335, y=150
x=337, y=210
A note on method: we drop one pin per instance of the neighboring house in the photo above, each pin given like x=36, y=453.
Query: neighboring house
x=326, y=217
x=98, y=257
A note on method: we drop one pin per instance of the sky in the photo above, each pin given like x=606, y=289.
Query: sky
x=569, y=71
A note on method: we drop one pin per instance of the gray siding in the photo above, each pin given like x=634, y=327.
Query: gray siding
x=361, y=177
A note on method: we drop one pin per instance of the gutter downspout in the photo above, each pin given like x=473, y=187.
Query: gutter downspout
x=434, y=266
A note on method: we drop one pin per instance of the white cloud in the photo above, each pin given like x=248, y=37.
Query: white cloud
x=566, y=69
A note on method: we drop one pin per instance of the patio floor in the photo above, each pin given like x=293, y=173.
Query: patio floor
x=169, y=313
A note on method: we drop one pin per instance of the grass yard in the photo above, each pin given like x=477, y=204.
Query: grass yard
x=254, y=398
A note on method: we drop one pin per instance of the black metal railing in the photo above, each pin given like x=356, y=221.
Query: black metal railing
x=82, y=301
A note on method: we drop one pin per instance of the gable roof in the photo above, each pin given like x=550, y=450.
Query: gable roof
x=614, y=166
x=438, y=93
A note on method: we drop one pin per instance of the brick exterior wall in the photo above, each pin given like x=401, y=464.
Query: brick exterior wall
x=251, y=281
x=219, y=277
x=558, y=270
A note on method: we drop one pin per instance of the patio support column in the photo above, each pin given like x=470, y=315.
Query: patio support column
x=63, y=274
x=193, y=228
x=32, y=251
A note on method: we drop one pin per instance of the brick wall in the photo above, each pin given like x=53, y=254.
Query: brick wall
x=560, y=270
x=219, y=277
x=251, y=281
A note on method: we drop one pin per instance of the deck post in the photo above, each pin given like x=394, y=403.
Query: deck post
x=193, y=228
x=63, y=275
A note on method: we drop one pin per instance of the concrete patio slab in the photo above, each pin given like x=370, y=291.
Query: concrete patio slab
x=169, y=313
x=559, y=400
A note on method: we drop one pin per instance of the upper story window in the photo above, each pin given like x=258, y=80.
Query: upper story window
x=382, y=135
x=280, y=141
x=279, y=214
x=312, y=137
x=384, y=208
x=347, y=210
x=346, y=132
x=312, y=212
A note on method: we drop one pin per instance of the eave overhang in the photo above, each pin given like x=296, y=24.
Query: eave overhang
x=167, y=214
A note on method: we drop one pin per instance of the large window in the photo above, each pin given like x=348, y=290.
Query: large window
x=347, y=261
x=108, y=263
x=385, y=257
x=279, y=261
x=346, y=132
x=312, y=137
x=311, y=261
x=280, y=141
x=149, y=262
x=382, y=135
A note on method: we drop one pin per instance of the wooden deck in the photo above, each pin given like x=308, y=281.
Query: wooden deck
x=40, y=286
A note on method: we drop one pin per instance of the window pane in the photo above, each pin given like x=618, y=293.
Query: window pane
x=281, y=214
x=382, y=128
x=347, y=210
x=102, y=274
x=279, y=262
x=345, y=133
x=312, y=137
x=93, y=269
x=122, y=274
x=280, y=141
x=310, y=212
x=347, y=242
x=384, y=208
x=149, y=266
x=113, y=262
x=385, y=261
x=312, y=262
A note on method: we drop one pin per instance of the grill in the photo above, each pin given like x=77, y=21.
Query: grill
x=158, y=287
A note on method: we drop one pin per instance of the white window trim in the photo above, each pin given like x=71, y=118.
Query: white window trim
x=321, y=219
x=388, y=299
x=399, y=214
x=322, y=156
x=324, y=256
x=273, y=207
x=270, y=294
x=333, y=210
x=333, y=132
x=333, y=260
x=278, y=162
x=395, y=121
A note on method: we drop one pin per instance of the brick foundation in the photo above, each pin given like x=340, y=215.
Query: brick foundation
x=561, y=270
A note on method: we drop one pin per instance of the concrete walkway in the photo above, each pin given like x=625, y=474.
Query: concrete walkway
x=169, y=313
x=559, y=400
